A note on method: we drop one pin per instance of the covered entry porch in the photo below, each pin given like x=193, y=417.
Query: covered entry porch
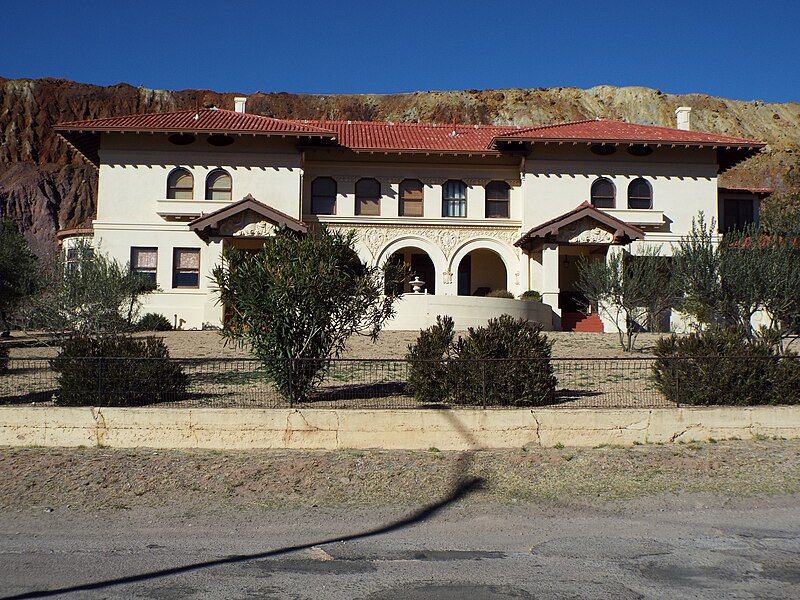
x=555, y=249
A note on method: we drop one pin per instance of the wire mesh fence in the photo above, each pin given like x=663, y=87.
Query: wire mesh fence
x=344, y=383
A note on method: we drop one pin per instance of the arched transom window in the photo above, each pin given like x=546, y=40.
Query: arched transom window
x=323, y=196
x=454, y=199
x=180, y=185
x=368, y=197
x=640, y=194
x=218, y=186
x=603, y=193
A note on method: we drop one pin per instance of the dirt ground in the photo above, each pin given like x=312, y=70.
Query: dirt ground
x=390, y=344
x=83, y=479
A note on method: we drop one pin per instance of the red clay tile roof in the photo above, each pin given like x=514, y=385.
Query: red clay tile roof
x=420, y=137
x=760, y=191
x=601, y=130
x=206, y=120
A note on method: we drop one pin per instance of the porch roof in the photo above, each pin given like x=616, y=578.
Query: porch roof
x=204, y=224
x=623, y=232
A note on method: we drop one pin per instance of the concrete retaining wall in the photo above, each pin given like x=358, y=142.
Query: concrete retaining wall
x=388, y=429
x=418, y=311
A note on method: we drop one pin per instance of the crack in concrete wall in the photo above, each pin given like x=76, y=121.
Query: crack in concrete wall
x=461, y=429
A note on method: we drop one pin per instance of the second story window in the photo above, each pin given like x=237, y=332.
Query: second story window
x=737, y=213
x=180, y=185
x=145, y=262
x=218, y=186
x=454, y=199
x=497, y=195
x=640, y=194
x=323, y=196
x=603, y=193
x=368, y=197
x=411, y=198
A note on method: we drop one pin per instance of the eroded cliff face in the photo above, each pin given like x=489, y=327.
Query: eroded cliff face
x=45, y=186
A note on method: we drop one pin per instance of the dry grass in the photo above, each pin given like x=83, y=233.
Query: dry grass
x=98, y=479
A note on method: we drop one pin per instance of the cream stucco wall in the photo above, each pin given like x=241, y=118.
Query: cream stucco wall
x=133, y=210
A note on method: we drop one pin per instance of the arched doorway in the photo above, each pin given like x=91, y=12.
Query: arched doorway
x=419, y=264
x=481, y=271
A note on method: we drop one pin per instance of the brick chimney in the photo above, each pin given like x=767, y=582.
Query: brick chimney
x=239, y=104
x=682, y=114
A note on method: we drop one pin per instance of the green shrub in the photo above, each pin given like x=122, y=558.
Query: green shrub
x=723, y=367
x=117, y=371
x=500, y=294
x=480, y=378
x=428, y=356
x=154, y=322
x=470, y=370
x=531, y=295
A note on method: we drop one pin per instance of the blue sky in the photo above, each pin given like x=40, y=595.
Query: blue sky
x=747, y=50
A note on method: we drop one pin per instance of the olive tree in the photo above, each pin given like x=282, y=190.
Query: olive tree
x=629, y=290
x=297, y=301
x=18, y=271
x=727, y=282
x=90, y=294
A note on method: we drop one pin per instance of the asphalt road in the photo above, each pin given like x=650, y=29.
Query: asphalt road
x=689, y=548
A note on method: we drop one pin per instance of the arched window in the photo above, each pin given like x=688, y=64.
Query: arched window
x=180, y=185
x=412, y=197
x=603, y=193
x=368, y=197
x=640, y=194
x=497, y=195
x=454, y=199
x=323, y=196
x=218, y=186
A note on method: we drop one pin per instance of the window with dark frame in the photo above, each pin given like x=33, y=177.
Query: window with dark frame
x=603, y=193
x=323, y=196
x=186, y=268
x=640, y=194
x=454, y=199
x=180, y=185
x=219, y=186
x=497, y=200
x=737, y=214
x=412, y=198
x=368, y=197
x=145, y=262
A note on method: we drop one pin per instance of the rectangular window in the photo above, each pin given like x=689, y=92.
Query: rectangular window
x=411, y=198
x=454, y=199
x=145, y=262
x=186, y=268
x=368, y=197
x=738, y=213
x=497, y=199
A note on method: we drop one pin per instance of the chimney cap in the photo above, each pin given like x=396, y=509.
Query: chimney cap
x=239, y=103
x=682, y=117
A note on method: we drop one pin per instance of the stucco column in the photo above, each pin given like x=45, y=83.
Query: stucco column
x=550, y=287
x=212, y=310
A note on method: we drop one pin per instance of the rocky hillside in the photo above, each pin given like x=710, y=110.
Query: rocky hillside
x=45, y=186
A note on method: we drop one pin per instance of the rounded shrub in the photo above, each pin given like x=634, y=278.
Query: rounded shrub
x=117, y=371
x=500, y=294
x=154, y=322
x=531, y=296
x=724, y=367
x=505, y=363
x=428, y=357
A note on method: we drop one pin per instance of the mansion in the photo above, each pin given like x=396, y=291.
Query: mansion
x=471, y=210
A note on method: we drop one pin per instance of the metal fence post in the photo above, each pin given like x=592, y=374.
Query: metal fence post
x=483, y=382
